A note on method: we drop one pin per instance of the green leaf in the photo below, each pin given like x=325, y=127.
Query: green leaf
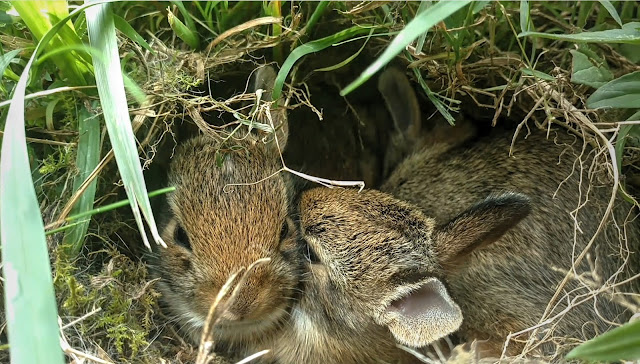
x=6, y=59
x=621, y=343
x=479, y=5
x=587, y=72
x=29, y=298
x=525, y=20
x=420, y=24
x=102, y=36
x=612, y=10
x=131, y=33
x=628, y=34
x=622, y=93
x=101, y=209
x=87, y=159
x=424, y=5
x=621, y=140
x=310, y=47
x=539, y=74
x=183, y=32
x=39, y=17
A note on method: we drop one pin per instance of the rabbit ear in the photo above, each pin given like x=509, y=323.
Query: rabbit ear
x=264, y=79
x=401, y=102
x=422, y=316
x=482, y=224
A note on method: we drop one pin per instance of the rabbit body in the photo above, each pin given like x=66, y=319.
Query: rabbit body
x=506, y=287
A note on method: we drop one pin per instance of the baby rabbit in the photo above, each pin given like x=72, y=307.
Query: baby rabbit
x=215, y=229
x=505, y=287
x=373, y=275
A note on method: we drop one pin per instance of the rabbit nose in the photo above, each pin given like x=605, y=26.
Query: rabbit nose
x=229, y=316
x=252, y=299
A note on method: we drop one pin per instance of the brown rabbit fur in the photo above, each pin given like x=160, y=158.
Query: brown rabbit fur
x=215, y=229
x=350, y=309
x=506, y=286
x=372, y=275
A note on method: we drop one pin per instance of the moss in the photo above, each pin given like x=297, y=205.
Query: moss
x=54, y=162
x=122, y=292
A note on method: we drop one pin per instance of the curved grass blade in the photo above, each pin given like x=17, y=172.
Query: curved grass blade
x=102, y=36
x=630, y=33
x=29, y=297
x=182, y=31
x=39, y=17
x=348, y=60
x=612, y=10
x=420, y=24
x=6, y=59
x=314, y=46
x=131, y=33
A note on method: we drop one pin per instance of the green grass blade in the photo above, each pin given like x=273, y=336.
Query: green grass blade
x=348, y=60
x=39, y=17
x=131, y=33
x=317, y=14
x=525, y=19
x=314, y=46
x=83, y=216
x=424, y=5
x=612, y=10
x=87, y=159
x=30, y=304
x=6, y=59
x=183, y=32
x=621, y=343
x=630, y=33
x=420, y=24
x=102, y=36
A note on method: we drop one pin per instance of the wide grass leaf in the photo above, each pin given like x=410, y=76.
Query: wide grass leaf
x=622, y=93
x=630, y=33
x=622, y=343
x=612, y=10
x=39, y=16
x=29, y=298
x=420, y=24
x=88, y=157
x=109, y=79
x=587, y=72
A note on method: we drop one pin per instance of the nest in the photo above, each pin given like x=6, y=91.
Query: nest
x=108, y=304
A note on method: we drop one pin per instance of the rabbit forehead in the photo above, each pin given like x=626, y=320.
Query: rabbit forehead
x=367, y=238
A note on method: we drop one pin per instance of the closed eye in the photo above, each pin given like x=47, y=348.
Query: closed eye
x=308, y=252
x=181, y=238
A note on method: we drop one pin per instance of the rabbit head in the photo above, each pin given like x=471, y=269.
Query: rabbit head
x=226, y=214
x=372, y=257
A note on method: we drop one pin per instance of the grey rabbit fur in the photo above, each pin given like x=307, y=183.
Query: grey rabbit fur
x=505, y=287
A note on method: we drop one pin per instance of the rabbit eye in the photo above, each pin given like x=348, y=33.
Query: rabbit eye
x=309, y=254
x=180, y=237
x=285, y=230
